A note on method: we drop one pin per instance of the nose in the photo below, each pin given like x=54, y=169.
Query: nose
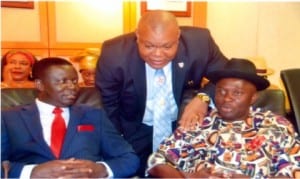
x=91, y=77
x=228, y=97
x=157, y=51
x=72, y=85
x=17, y=65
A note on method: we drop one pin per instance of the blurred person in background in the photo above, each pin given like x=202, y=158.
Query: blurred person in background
x=87, y=60
x=262, y=69
x=16, y=69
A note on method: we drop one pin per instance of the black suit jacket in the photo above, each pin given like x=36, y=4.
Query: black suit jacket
x=121, y=76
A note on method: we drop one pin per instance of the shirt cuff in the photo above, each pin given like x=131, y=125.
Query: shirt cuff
x=108, y=169
x=26, y=171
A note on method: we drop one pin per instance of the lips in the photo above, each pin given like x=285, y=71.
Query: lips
x=70, y=96
x=17, y=73
x=226, y=108
x=158, y=64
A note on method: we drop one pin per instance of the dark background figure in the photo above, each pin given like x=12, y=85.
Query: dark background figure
x=87, y=60
x=91, y=147
x=125, y=71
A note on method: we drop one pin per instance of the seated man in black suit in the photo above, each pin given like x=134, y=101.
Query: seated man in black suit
x=73, y=141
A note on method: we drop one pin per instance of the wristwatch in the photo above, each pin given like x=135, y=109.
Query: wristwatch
x=203, y=97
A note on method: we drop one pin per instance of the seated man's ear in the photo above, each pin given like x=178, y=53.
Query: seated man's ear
x=254, y=98
x=39, y=84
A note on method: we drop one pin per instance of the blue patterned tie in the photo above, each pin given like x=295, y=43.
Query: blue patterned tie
x=162, y=125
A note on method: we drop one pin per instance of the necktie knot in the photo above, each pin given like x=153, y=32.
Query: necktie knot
x=57, y=110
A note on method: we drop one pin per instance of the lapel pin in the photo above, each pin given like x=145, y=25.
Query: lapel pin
x=181, y=64
x=191, y=82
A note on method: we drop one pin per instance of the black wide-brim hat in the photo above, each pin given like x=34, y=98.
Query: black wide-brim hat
x=240, y=68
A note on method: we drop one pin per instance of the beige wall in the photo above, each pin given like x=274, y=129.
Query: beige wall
x=268, y=29
x=23, y=22
x=91, y=21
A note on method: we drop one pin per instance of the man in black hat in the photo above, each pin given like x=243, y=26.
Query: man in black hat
x=234, y=140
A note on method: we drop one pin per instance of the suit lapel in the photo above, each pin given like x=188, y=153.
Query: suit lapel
x=179, y=70
x=75, y=117
x=138, y=74
x=31, y=118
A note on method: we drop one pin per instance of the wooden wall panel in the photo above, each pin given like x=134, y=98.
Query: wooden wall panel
x=37, y=47
x=199, y=13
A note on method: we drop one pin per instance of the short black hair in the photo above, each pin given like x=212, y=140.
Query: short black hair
x=40, y=67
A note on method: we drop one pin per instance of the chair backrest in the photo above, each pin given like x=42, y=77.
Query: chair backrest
x=269, y=99
x=273, y=100
x=291, y=82
x=11, y=97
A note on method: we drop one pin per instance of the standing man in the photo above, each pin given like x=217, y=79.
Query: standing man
x=73, y=141
x=135, y=70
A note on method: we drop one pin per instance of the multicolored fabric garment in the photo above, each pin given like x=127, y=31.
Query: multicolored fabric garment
x=264, y=145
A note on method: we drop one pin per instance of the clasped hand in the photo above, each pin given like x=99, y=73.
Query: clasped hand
x=71, y=168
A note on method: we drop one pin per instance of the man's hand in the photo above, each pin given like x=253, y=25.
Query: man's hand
x=51, y=169
x=6, y=168
x=193, y=113
x=69, y=169
x=88, y=169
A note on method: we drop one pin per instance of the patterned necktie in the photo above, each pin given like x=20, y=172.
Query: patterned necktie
x=58, y=131
x=162, y=125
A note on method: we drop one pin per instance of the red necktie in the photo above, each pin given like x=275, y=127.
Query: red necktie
x=58, y=131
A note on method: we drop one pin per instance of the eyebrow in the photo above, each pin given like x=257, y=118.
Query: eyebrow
x=165, y=44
